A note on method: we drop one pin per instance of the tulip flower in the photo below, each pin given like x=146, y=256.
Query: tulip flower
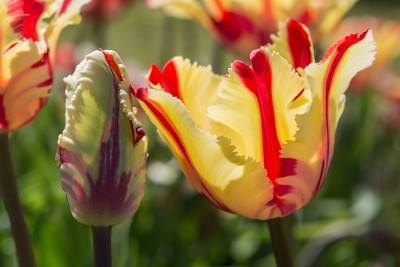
x=257, y=142
x=103, y=148
x=29, y=34
x=247, y=24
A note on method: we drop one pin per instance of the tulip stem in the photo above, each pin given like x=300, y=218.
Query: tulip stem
x=12, y=203
x=280, y=242
x=102, y=246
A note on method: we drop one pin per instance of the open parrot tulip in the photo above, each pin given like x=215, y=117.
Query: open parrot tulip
x=243, y=25
x=103, y=148
x=257, y=142
x=29, y=34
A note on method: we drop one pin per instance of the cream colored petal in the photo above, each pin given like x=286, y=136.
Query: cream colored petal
x=68, y=14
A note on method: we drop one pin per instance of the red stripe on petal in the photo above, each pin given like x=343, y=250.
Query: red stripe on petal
x=229, y=25
x=271, y=146
x=246, y=75
x=340, y=48
x=113, y=66
x=64, y=6
x=15, y=11
x=34, y=10
x=299, y=44
x=170, y=81
x=155, y=75
x=3, y=120
x=298, y=95
x=158, y=112
x=142, y=94
x=259, y=81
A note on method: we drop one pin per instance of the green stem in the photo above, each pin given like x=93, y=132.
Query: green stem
x=102, y=246
x=281, y=244
x=12, y=203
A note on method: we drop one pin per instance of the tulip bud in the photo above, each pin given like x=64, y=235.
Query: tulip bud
x=103, y=148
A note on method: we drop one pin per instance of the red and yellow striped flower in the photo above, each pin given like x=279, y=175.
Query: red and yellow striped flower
x=384, y=75
x=103, y=148
x=244, y=25
x=257, y=142
x=28, y=36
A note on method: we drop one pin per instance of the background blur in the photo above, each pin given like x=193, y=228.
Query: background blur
x=353, y=221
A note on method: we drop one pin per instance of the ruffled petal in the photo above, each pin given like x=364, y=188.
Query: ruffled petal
x=25, y=80
x=314, y=144
x=293, y=42
x=230, y=182
x=196, y=86
x=270, y=95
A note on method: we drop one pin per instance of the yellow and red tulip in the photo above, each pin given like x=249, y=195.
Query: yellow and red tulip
x=103, y=148
x=244, y=25
x=257, y=142
x=29, y=34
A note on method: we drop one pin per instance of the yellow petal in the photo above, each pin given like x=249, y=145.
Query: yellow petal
x=25, y=83
x=328, y=80
x=210, y=163
x=196, y=86
x=293, y=42
x=239, y=114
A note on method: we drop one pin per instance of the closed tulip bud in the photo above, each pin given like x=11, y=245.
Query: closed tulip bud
x=103, y=148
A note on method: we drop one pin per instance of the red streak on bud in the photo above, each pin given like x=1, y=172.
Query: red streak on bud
x=111, y=63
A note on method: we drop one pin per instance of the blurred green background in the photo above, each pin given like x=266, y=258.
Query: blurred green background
x=353, y=221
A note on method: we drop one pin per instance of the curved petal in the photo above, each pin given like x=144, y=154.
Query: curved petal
x=12, y=16
x=194, y=85
x=68, y=14
x=230, y=182
x=328, y=80
x=270, y=95
x=293, y=42
x=102, y=160
x=25, y=80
